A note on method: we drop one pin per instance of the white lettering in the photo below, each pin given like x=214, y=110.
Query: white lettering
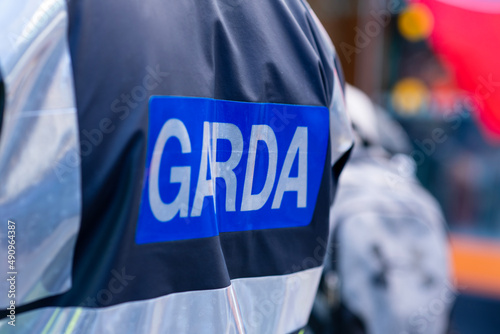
x=204, y=187
x=162, y=211
x=252, y=202
x=299, y=183
x=225, y=169
x=213, y=133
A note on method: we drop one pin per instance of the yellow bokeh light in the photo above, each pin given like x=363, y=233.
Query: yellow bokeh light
x=416, y=22
x=409, y=96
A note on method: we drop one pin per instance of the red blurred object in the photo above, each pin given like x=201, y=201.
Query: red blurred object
x=466, y=36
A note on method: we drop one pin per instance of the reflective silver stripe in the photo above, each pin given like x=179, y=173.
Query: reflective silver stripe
x=277, y=304
x=273, y=304
x=39, y=149
x=341, y=136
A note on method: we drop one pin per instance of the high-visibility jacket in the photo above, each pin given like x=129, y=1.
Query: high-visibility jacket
x=168, y=165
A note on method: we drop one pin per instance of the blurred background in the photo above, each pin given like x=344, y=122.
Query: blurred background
x=433, y=65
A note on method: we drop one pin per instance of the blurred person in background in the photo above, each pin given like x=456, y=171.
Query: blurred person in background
x=439, y=78
x=168, y=166
x=388, y=269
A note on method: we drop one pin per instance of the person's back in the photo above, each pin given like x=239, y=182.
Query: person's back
x=389, y=258
x=198, y=214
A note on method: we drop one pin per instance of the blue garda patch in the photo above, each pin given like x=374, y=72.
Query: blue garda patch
x=222, y=166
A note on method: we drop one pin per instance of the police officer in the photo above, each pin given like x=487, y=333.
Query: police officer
x=169, y=165
x=388, y=269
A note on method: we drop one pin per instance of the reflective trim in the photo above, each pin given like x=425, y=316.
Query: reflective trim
x=341, y=136
x=39, y=149
x=277, y=304
x=273, y=304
